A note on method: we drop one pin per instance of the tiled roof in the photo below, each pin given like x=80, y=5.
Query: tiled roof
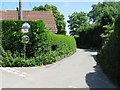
x=47, y=16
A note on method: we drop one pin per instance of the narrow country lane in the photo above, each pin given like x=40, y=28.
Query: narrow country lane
x=77, y=71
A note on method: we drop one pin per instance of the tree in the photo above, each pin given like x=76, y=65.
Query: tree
x=104, y=13
x=76, y=21
x=59, y=18
x=109, y=55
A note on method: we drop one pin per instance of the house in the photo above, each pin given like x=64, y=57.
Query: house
x=46, y=16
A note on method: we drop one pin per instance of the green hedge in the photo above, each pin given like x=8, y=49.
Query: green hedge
x=55, y=47
x=44, y=47
x=90, y=38
x=109, y=56
x=11, y=35
x=62, y=44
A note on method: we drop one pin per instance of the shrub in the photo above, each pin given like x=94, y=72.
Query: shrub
x=109, y=55
x=53, y=45
x=43, y=48
x=45, y=54
x=64, y=44
x=11, y=35
x=90, y=38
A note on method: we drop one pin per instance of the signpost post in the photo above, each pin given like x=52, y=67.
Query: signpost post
x=25, y=38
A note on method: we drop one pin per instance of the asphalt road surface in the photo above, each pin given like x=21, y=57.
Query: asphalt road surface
x=77, y=71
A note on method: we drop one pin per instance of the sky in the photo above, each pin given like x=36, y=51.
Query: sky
x=65, y=8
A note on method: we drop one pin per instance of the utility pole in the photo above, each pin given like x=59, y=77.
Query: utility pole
x=20, y=10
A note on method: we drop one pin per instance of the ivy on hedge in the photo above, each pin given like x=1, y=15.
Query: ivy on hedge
x=44, y=47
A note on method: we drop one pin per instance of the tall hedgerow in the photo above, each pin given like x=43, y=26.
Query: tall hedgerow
x=44, y=47
x=11, y=35
x=109, y=55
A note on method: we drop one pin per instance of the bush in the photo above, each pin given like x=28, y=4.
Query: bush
x=62, y=44
x=11, y=35
x=90, y=38
x=53, y=45
x=44, y=47
x=109, y=56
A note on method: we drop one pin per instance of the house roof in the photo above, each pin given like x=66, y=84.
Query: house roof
x=46, y=16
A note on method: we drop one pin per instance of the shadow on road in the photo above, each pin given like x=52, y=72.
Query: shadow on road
x=89, y=50
x=97, y=79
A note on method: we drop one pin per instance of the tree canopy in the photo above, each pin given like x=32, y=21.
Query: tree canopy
x=77, y=20
x=59, y=18
x=94, y=27
x=105, y=12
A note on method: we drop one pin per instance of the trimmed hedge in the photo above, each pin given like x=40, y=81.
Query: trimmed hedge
x=11, y=35
x=62, y=44
x=44, y=47
x=90, y=39
x=55, y=47
x=109, y=56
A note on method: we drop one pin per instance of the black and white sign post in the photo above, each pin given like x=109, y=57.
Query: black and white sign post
x=25, y=38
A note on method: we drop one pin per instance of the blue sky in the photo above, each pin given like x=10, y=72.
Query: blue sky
x=66, y=8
